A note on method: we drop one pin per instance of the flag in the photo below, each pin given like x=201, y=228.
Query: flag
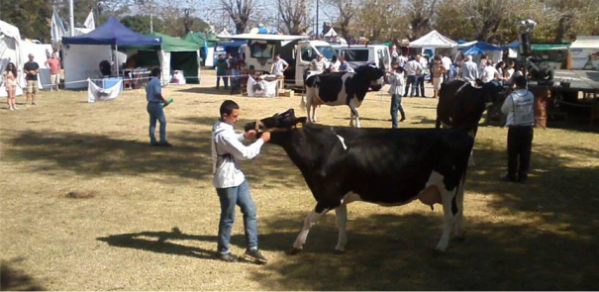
x=89, y=21
x=57, y=30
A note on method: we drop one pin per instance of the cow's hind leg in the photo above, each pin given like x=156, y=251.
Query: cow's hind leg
x=314, y=113
x=448, y=217
x=459, y=218
x=341, y=214
x=310, y=220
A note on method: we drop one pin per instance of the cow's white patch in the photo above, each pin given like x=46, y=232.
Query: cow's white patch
x=350, y=197
x=342, y=141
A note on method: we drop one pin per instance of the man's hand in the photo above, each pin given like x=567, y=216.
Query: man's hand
x=251, y=134
x=265, y=137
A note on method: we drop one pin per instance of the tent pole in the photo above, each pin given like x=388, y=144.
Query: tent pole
x=116, y=57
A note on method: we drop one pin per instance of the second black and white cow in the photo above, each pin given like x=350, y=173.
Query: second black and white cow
x=340, y=88
x=461, y=105
x=382, y=166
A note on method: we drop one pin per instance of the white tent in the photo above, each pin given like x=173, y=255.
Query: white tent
x=83, y=61
x=11, y=51
x=223, y=33
x=585, y=53
x=433, y=39
x=331, y=33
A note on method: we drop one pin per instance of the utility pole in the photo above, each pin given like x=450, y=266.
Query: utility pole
x=71, y=18
x=317, y=12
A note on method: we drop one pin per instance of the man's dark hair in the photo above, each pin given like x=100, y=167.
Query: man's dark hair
x=521, y=81
x=155, y=72
x=227, y=107
x=278, y=55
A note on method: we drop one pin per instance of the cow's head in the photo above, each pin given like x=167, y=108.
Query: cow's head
x=371, y=73
x=278, y=122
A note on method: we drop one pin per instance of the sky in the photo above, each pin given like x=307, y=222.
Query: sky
x=209, y=10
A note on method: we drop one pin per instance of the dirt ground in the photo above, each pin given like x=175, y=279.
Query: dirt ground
x=86, y=204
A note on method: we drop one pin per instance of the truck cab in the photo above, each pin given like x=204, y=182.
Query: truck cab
x=299, y=55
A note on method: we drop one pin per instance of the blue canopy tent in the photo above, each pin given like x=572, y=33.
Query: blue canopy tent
x=80, y=58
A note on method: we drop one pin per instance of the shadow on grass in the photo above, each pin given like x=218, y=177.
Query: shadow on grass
x=93, y=155
x=16, y=280
x=391, y=252
x=209, y=90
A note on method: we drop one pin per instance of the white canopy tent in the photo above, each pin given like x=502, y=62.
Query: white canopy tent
x=223, y=33
x=433, y=39
x=11, y=51
x=331, y=33
x=585, y=53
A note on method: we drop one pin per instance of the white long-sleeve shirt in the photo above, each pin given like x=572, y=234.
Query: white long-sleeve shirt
x=227, y=150
x=469, y=71
x=519, y=107
x=397, y=83
x=413, y=68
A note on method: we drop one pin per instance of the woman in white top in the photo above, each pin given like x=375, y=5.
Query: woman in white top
x=10, y=82
x=490, y=73
x=396, y=79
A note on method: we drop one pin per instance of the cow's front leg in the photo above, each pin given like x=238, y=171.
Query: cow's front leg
x=459, y=218
x=314, y=113
x=354, y=114
x=448, y=218
x=341, y=214
x=310, y=220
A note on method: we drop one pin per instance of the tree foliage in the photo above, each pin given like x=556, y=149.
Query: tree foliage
x=240, y=12
x=30, y=16
x=294, y=14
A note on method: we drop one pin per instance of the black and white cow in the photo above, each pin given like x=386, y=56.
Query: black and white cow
x=389, y=167
x=461, y=105
x=339, y=88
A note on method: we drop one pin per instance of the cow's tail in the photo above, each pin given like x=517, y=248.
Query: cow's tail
x=438, y=122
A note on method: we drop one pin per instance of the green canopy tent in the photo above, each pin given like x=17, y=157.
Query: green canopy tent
x=178, y=54
x=206, y=43
x=173, y=54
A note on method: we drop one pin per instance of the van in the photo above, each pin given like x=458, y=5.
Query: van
x=357, y=55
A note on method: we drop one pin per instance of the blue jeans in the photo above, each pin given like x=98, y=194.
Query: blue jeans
x=395, y=106
x=225, y=80
x=412, y=82
x=229, y=197
x=157, y=113
x=420, y=83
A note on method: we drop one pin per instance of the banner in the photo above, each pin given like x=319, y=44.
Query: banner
x=57, y=30
x=96, y=93
x=89, y=21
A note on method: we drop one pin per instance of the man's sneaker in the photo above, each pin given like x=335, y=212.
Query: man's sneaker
x=254, y=255
x=165, y=144
x=508, y=178
x=226, y=257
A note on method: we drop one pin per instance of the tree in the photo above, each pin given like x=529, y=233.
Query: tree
x=240, y=12
x=32, y=17
x=420, y=14
x=141, y=24
x=347, y=10
x=294, y=15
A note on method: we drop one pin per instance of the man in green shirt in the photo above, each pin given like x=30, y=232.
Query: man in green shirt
x=221, y=72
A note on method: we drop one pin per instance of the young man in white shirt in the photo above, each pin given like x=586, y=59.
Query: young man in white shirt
x=402, y=60
x=519, y=107
x=230, y=183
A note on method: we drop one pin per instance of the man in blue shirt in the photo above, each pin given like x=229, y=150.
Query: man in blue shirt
x=155, y=108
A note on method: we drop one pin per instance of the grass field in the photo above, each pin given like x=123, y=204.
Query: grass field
x=86, y=204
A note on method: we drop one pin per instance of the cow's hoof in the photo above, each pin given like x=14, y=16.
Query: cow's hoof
x=338, y=252
x=294, y=251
